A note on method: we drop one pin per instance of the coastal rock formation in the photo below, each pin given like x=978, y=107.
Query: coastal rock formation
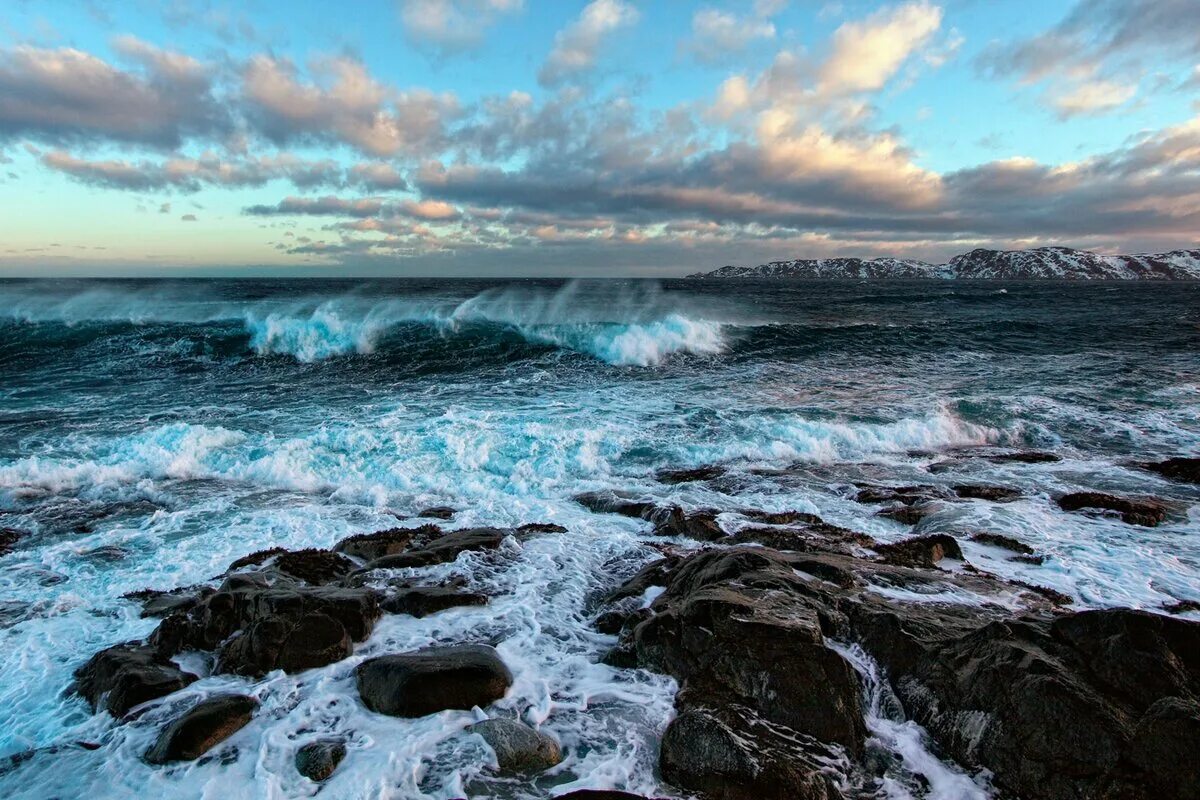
x=518, y=747
x=128, y=675
x=317, y=760
x=202, y=728
x=1185, y=470
x=1132, y=510
x=432, y=680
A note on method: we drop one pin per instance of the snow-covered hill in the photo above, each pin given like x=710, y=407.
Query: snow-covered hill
x=1058, y=263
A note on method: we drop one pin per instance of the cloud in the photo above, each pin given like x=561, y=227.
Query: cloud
x=717, y=35
x=346, y=105
x=320, y=206
x=867, y=54
x=377, y=175
x=188, y=218
x=65, y=95
x=450, y=26
x=577, y=47
x=191, y=174
x=1093, y=97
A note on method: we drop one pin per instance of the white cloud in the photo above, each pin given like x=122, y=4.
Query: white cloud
x=578, y=45
x=868, y=53
x=718, y=34
x=452, y=25
x=1093, y=97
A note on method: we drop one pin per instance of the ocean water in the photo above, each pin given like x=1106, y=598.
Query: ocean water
x=152, y=432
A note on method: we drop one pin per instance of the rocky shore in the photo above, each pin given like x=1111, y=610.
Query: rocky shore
x=789, y=638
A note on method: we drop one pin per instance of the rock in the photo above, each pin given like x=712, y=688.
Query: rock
x=317, y=567
x=782, y=517
x=518, y=747
x=292, y=643
x=1163, y=747
x=255, y=559
x=317, y=760
x=437, y=512
x=1186, y=470
x=433, y=680
x=920, y=551
x=1003, y=542
x=699, y=525
x=906, y=514
x=128, y=675
x=600, y=794
x=202, y=728
x=1182, y=606
x=996, y=494
x=733, y=625
x=613, y=503
x=161, y=603
x=1024, y=457
x=425, y=600
x=541, y=527
x=8, y=538
x=656, y=573
x=906, y=495
x=370, y=546
x=1147, y=512
x=675, y=476
x=732, y=754
x=442, y=549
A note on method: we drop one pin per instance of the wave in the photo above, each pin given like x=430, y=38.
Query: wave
x=618, y=325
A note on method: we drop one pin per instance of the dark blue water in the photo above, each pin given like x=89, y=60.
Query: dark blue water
x=151, y=432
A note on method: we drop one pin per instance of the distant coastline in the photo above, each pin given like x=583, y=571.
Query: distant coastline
x=1042, y=263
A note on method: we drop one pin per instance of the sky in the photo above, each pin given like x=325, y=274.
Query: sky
x=507, y=138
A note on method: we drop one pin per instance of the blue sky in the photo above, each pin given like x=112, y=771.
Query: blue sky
x=525, y=137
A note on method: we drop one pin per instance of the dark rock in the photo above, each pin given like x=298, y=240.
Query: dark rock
x=202, y=728
x=425, y=600
x=370, y=546
x=1177, y=469
x=437, y=512
x=433, y=680
x=908, y=515
x=732, y=754
x=291, y=643
x=996, y=494
x=1025, y=457
x=1147, y=512
x=920, y=551
x=541, y=527
x=782, y=517
x=317, y=760
x=656, y=573
x=1003, y=542
x=442, y=549
x=8, y=538
x=317, y=567
x=255, y=559
x=613, y=622
x=128, y=675
x=675, y=476
x=1053, y=595
x=1182, y=606
x=600, y=794
x=1162, y=748
x=613, y=503
x=699, y=525
x=161, y=603
x=518, y=747
x=907, y=495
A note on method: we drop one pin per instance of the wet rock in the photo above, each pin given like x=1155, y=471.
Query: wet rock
x=908, y=514
x=8, y=538
x=613, y=503
x=600, y=794
x=438, y=512
x=699, y=525
x=317, y=760
x=157, y=603
x=1186, y=470
x=518, y=747
x=806, y=532
x=1024, y=457
x=734, y=626
x=920, y=551
x=656, y=573
x=1163, y=747
x=732, y=754
x=1003, y=542
x=292, y=643
x=433, y=680
x=996, y=494
x=108, y=554
x=676, y=476
x=128, y=675
x=1147, y=512
x=442, y=549
x=906, y=495
x=541, y=527
x=202, y=728
x=317, y=567
x=782, y=517
x=255, y=559
x=370, y=546
x=1182, y=606
x=425, y=600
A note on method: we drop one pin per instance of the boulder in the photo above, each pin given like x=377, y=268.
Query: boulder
x=442, y=549
x=370, y=546
x=699, y=525
x=437, y=512
x=317, y=760
x=541, y=527
x=422, y=601
x=1186, y=470
x=675, y=476
x=613, y=503
x=996, y=494
x=1025, y=457
x=316, y=567
x=9, y=538
x=1147, y=512
x=906, y=495
x=157, y=603
x=128, y=675
x=729, y=753
x=292, y=643
x=518, y=747
x=908, y=514
x=920, y=551
x=206, y=725
x=433, y=680
x=1003, y=542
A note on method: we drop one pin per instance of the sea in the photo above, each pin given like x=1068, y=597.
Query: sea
x=151, y=432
